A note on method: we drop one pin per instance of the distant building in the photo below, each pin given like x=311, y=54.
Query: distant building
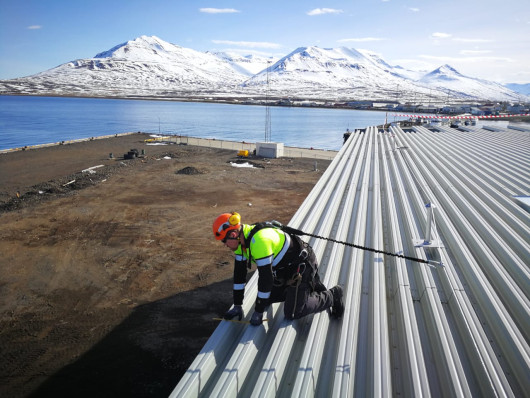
x=360, y=104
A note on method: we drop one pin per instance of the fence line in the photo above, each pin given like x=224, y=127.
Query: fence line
x=292, y=152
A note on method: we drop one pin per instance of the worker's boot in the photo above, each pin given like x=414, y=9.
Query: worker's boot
x=337, y=308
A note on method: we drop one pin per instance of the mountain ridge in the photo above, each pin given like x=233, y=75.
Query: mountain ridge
x=150, y=66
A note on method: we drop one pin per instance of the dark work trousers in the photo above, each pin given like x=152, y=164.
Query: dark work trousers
x=310, y=296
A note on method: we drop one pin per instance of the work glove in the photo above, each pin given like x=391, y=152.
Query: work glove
x=257, y=318
x=236, y=310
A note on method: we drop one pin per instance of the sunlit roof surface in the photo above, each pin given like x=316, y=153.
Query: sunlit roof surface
x=459, y=326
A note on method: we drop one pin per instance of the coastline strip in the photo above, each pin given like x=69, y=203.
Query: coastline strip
x=29, y=147
x=293, y=152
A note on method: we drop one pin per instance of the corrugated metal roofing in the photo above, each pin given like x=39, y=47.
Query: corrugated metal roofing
x=458, y=328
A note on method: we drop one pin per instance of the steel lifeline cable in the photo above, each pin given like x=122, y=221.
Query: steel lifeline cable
x=294, y=231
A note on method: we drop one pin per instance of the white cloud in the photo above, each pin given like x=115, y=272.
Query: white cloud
x=320, y=11
x=218, y=10
x=361, y=39
x=467, y=60
x=34, y=27
x=414, y=64
x=474, y=52
x=440, y=35
x=251, y=51
x=463, y=40
x=414, y=9
x=249, y=44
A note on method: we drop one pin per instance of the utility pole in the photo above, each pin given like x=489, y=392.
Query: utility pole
x=267, y=110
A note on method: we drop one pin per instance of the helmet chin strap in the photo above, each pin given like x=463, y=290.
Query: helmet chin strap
x=241, y=237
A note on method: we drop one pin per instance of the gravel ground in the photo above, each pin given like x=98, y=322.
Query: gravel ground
x=110, y=276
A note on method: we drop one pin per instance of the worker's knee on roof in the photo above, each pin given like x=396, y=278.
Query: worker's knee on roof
x=292, y=315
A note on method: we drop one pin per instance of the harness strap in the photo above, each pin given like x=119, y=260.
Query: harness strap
x=257, y=227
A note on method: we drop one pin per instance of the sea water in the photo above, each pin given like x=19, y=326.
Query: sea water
x=28, y=120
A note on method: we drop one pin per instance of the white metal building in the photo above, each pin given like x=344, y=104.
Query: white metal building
x=457, y=328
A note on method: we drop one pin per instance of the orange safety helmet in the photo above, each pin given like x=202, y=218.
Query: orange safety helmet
x=224, y=223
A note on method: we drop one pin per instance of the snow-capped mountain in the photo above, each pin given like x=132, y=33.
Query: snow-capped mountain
x=246, y=64
x=151, y=67
x=448, y=79
x=395, y=69
x=336, y=72
x=146, y=66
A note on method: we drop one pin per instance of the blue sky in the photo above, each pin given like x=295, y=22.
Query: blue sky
x=487, y=39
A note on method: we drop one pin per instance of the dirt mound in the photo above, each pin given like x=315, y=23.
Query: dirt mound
x=190, y=171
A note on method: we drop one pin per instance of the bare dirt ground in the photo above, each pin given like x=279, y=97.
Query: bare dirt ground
x=109, y=283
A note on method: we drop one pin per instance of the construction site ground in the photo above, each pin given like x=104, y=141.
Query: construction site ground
x=110, y=277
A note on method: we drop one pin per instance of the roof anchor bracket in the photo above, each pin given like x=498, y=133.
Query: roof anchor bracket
x=427, y=242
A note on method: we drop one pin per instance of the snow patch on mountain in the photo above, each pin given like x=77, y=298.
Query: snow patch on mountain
x=247, y=64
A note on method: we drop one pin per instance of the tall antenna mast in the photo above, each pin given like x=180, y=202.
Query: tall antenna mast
x=267, y=110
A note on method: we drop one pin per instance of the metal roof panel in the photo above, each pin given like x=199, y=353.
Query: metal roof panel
x=459, y=326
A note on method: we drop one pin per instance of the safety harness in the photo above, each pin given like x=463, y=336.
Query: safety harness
x=294, y=231
x=257, y=227
x=296, y=278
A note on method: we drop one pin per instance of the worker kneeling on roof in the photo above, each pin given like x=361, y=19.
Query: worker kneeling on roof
x=287, y=270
